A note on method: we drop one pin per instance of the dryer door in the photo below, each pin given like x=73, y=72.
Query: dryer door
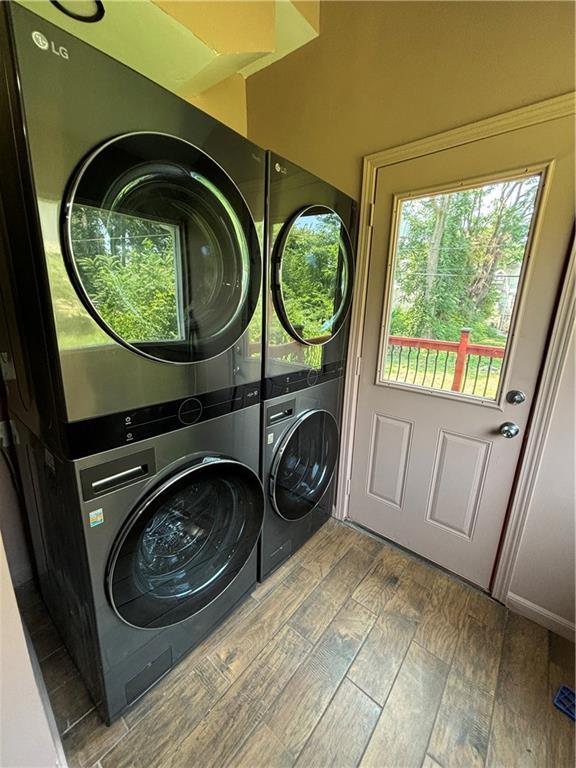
x=312, y=275
x=162, y=248
x=304, y=464
x=185, y=542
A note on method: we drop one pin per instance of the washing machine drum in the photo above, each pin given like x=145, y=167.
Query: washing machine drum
x=162, y=248
x=185, y=542
x=304, y=464
x=313, y=270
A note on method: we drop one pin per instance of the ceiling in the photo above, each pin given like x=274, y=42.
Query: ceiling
x=189, y=46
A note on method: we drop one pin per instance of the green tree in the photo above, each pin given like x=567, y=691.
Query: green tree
x=450, y=249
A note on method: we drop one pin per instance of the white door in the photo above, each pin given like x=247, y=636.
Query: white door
x=467, y=252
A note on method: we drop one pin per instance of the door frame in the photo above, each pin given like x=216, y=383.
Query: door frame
x=555, y=358
x=524, y=117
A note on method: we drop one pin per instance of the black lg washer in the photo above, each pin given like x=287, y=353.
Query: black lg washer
x=143, y=549
x=301, y=442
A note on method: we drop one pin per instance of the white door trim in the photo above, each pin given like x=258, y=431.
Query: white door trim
x=539, y=427
x=551, y=109
x=536, y=613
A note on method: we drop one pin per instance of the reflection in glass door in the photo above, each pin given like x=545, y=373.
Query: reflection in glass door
x=161, y=248
x=313, y=271
x=131, y=267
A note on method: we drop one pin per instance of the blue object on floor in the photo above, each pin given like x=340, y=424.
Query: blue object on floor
x=565, y=700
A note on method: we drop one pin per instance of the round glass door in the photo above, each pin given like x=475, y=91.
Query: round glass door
x=162, y=248
x=313, y=275
x=304, y=465
x=185, y=543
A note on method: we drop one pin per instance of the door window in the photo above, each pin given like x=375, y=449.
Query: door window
x=458, y=261
x=185, y=543
x=313, y=271
x=162, y=248
x=304, y=465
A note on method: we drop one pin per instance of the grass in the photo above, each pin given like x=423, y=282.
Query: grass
x=437, y=372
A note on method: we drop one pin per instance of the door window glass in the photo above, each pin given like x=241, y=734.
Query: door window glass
x=458, y=261
x=162, y=248
x=186, y=545
x=305, y=464
x=313, y=275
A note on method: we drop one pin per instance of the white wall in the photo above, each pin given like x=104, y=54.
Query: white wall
x=542, y=585
x=25, y=736
x=12, y=528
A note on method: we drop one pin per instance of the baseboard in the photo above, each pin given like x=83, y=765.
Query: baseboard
x=43, y=692
x=541, y=616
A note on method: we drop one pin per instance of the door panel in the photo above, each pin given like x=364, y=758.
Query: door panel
x=162, y=249
x=314, y=249
x=458, y=476
x=185, y=543
x=431, y=470
x=389, y=458
x=304, y=465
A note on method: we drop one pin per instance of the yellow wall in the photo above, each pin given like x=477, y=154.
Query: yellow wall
x=229, y=26
x=225, y=101
x=384, y=73
x=310, y=9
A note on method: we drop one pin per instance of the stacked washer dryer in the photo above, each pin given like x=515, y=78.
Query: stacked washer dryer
x=310, y=228
x=131, y=283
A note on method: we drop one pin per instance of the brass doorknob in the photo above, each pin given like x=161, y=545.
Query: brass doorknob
x=509, y=429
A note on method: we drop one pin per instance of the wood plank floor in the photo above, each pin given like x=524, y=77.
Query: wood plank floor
x=352, y=654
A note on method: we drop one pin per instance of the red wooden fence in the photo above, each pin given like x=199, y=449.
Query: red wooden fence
x=462, y=348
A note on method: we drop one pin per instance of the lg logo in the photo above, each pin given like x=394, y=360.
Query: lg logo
x=40, y=40
x=44, y=44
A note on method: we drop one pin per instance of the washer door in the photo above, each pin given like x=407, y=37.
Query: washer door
x=313, y=270
x=162, y=248
x=185, y=542
x=304, y=464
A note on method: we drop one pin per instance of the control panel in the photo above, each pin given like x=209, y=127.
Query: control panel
x=286, y=383
x=100, y=434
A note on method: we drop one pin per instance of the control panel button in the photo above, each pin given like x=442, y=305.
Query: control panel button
x=313, y=376
x=190, y=411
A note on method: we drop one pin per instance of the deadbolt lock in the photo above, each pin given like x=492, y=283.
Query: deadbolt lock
x=515, y=397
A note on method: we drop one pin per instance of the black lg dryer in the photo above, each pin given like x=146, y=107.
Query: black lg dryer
x=131, y=287
x=135, y=232
x=310, y=230
x=309, y=282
